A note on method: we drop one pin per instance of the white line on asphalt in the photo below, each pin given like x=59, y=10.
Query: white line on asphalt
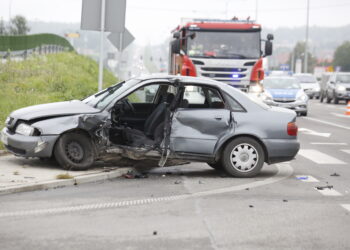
x=341, y=115
x=346, y=206
x=329, y=192
x=346, y=150
x=311, y=132
x=306, y=178
x=329, y=143
x=325, y=122
x=318, y=157
x=284, y=171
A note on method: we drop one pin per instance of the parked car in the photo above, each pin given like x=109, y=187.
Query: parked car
x=335, y=86
x=309, y=84
x=286, y=92
x=224, y=128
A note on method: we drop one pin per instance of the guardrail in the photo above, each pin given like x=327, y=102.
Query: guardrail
x=28, y=44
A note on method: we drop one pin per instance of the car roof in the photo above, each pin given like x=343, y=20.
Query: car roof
x=185, y=79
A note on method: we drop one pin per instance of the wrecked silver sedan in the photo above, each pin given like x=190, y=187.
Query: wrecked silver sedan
x=186, y=118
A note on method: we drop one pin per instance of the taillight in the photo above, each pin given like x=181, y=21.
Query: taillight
x=292, y=129
x=257, y=71
x=188, y=68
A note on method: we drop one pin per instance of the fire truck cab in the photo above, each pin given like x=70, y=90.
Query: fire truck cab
x=224, y=50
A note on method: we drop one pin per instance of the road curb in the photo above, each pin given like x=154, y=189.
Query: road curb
x=68, y=182
x=3, y=152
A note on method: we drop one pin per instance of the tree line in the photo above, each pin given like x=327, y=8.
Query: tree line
x=17, y=26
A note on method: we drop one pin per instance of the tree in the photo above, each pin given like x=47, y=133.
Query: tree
x=341, y=56
x=2, y=28
x=299, y=51
x=18, y=26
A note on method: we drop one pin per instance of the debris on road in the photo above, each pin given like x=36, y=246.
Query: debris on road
x=200, y=182
x=247, y=189
x=324, y=187
x=335, y=174
x=302, y=177
x=177, y=182
x=251, y=206
x=16, y=173
x=155, y=232
x=285, y=200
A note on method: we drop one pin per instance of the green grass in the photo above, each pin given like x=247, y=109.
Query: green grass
x=44, y=79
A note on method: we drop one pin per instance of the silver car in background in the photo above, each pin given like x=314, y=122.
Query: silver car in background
x=285, y=92
x=187, y=118
x=309, y=83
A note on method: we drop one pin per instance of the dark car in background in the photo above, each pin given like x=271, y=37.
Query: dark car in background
x=187, y=118
x=335, y=87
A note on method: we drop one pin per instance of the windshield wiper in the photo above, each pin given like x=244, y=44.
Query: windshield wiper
x=110, y=90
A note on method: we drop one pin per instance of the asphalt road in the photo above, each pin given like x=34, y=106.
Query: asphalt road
x=194, y=207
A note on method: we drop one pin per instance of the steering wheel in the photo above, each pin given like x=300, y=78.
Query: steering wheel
x=129, y=105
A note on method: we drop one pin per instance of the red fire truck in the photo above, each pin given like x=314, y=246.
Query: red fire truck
x=225, y=50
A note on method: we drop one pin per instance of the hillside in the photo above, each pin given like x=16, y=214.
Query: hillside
x=43, y=79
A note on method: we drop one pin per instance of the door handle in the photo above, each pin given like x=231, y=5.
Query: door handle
x=218, y=118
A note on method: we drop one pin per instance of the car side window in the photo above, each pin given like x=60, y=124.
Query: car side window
x=201, y=97
x=144, y=95
x=235, y=106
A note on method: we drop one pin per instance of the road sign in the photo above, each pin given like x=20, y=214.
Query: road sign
x=121, y=40
x=114, y=15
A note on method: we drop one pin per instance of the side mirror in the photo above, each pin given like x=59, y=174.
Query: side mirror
x=268, y=48
x=176, y=35
x=269, y=37
x=175, y=46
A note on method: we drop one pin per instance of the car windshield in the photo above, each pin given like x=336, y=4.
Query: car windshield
x=306, y=78
x=221, y=44
x=101, y=99
x=281, y=83
x=343, y=78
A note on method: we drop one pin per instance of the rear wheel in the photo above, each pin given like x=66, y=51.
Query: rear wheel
x=243, y=157
x=74, y=151
x=336, y=100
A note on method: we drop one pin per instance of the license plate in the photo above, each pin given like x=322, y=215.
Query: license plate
x=4, y=138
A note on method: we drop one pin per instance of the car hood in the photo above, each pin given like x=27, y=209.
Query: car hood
x=53, y=109
x=283, y=93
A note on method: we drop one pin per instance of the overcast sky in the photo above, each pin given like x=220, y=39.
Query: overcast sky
x=150, y=20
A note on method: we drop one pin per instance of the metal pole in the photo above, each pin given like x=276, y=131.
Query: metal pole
x=306, y=38
x=256, y=10
x=120, y=53
x=293, y=63
x=100, y=71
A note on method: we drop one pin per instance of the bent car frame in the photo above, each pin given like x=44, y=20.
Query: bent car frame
x=195, y=119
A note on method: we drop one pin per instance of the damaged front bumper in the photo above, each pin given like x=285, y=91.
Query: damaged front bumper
x=28, y=146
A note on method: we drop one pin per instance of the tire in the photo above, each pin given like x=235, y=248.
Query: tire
x=321, y=97
x=74, y=151
x=303, y=114
x=311, y=97
x=328, y=99
x=216, y=165
x=335, y=100
x=249, y=155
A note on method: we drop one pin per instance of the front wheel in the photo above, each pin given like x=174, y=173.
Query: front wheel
x=243, y=157
x=74, y=151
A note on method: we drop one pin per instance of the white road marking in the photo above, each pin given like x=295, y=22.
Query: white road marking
x=318, y=157
x=346, y=206
x=329, y=143
x=346, y=150
x=329, y=192
x=306, y=178
x=312, y=132
x=331, y=106
x=325, y=122
x=341, y=115
x=284, y=171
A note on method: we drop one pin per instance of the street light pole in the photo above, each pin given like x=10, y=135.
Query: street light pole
x=100, y=72
x=306, y=37
x=256, y=10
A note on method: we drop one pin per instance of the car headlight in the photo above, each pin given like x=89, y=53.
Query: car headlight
x=266, y=96
x=341, y=88
x=256, y=89
x=25, y=129
x=301, y=96
x=7, y=120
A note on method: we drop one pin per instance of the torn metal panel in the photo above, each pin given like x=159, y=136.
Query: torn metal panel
x=197, y=131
